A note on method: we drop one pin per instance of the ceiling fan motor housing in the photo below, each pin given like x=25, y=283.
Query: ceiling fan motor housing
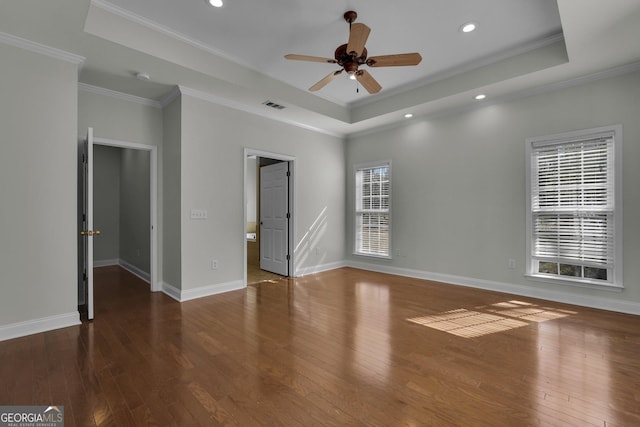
x=353, y=54
x=350, y=62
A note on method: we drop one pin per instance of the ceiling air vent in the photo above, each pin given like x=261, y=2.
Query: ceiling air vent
x=274, y=105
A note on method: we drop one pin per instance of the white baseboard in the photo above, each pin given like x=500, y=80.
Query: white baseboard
x=319, y=268
x=202, y=291
x=35, y=326
x=135, y=270
x=124, y=264
x=170, y=291
x=599, y=302
x=105, y=262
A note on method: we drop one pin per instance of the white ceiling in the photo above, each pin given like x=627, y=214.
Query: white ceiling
x=258, y=33
x=234, y=55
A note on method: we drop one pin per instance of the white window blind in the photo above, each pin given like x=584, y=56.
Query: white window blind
x=373, y=201
x=573, y=209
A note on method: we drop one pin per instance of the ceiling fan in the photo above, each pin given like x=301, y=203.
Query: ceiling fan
x=353, y=54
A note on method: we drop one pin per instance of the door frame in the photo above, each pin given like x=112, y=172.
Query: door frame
x=292, y=204
x=153, y=198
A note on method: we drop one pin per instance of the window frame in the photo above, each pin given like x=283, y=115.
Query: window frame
x=358, y=212
x=614, y=283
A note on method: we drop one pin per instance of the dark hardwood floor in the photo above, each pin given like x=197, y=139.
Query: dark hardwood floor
x=345, y=347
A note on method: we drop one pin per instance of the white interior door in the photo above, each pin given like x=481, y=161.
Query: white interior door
x=87, y=230
x=274, y=221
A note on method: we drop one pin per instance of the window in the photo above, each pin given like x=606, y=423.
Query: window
x=574, y=210
x=373, y=203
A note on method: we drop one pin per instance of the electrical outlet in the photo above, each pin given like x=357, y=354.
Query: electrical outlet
x=512, y=264
x=214, y=264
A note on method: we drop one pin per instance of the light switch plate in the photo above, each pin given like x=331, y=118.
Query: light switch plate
x=198, y=214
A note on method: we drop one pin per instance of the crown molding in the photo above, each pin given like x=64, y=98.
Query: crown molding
x=168, y=99
x=42, y=49
x=538, y=90
x=152, y=25
x=119, y=95
x=468, y=66
x=262, y=112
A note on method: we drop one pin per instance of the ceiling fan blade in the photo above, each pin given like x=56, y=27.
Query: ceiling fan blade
x=357, y=38
x=368, y=82
x=322, y=83
x=309, y=58
x=398, y=60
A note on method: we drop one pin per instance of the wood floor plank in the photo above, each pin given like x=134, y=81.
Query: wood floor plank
x=344, y=347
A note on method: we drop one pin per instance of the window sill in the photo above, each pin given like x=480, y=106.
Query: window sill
x=576, y=283
x=360, y=254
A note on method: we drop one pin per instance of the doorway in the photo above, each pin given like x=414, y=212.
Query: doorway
x=268, y=215
x=139, y=163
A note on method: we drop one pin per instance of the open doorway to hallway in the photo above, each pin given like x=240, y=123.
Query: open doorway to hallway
x=268, y=216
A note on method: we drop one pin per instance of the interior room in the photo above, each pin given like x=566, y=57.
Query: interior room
x=360, y=213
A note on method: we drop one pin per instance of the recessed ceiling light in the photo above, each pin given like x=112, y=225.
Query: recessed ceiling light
x=408, y=116
x=215, y=3
x=480, y=96
x=143, y=76
x=468, y=27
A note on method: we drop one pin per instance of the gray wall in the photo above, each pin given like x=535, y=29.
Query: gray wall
x=171, y=206
x=38, y=153
x=213, y=139
x=121, y=206
x=106, y=204
x=252, y=192
x=135, y=225
x=458, y=184
x=117, y=119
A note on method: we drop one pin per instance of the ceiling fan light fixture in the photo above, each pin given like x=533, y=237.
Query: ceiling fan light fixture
x=468, y=27
x=353, y=54
x=215, y=3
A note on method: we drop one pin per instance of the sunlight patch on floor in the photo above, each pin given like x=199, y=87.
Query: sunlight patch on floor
x=485, y=320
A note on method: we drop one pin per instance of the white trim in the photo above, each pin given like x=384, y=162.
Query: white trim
x=153, y=196
x=42, y=49
x=35, y=326
x=205, y=291
x=119, y=95
x=261, y=110
x=292, y=206
x=363, y=166
x=304, y=271
x=469, y=66
x=616, y=283
x=168, y=98
x=155, y=26
x=126, y=265
x=106, y=262
x=202, y=291
x=525, y=93
x=599, y=302
x=138, y=272
x=170, y=291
